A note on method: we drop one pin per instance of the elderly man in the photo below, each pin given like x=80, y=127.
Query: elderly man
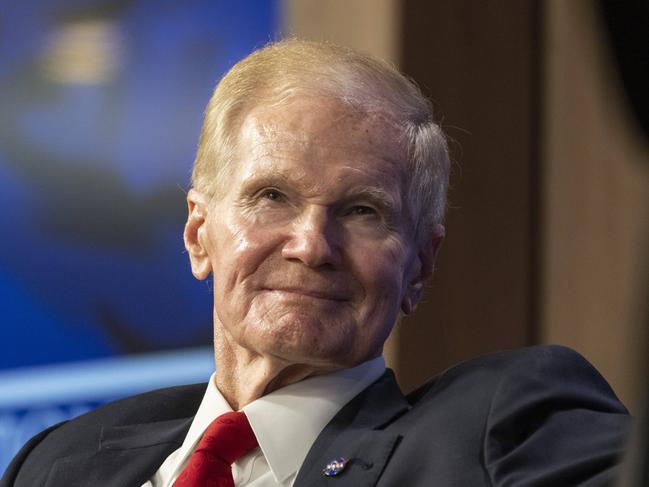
x=318, y=197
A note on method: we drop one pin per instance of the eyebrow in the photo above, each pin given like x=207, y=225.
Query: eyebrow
x=274, y=178
x=375, y=194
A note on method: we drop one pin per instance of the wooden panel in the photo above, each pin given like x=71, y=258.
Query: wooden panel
x=478, y=61
x=371, y=26
x=595, y=204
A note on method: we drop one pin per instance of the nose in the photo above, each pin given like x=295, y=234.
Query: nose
x=313, y=240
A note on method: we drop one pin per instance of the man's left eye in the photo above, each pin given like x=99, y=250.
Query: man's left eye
x=361, y=210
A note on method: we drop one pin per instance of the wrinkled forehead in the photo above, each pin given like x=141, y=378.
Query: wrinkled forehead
x=308, y=125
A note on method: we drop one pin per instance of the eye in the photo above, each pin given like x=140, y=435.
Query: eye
x=272, y=195
x=360, y=210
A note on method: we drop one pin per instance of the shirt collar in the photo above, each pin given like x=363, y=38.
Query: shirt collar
x=212, y=406
x=287, y=421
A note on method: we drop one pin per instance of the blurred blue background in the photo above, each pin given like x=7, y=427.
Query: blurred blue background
x=101, y=105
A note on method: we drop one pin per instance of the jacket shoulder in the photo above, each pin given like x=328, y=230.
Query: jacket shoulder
x=547, y=366
x=82, y=433
x=157, y=405
x=153, y=406
x=542, y=415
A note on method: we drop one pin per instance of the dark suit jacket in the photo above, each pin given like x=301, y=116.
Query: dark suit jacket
x=534, y=417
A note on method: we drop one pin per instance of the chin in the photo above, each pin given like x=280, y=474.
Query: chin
x=302, y=338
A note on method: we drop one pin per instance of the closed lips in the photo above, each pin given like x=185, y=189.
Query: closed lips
x=313, y=293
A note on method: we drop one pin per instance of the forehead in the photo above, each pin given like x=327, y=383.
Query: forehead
x=308, y=132
x=302, y=117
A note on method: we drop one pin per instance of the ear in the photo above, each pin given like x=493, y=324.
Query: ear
x=194, y=235
x=426, y=266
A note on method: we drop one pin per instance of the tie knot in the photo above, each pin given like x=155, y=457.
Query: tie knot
x=228, y=437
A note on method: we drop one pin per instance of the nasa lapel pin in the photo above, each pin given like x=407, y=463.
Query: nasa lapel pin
x=334, y=467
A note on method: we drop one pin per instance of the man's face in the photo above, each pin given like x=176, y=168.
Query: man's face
x=310, y=243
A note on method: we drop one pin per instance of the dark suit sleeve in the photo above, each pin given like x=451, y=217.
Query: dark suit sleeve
x=9, y=477
x=554, y=421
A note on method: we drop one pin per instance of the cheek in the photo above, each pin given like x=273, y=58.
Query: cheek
x=238, y=252
x=381, y=271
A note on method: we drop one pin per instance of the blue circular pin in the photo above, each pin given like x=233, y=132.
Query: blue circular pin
x=334, y=467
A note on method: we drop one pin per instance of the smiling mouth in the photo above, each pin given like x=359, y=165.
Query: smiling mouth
x=309, y=293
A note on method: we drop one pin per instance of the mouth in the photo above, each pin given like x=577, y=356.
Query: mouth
x=309, y=293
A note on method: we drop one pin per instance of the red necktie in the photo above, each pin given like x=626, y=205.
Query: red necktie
x=227, y=439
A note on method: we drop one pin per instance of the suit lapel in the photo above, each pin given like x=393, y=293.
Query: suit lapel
x=126, y=456
x=356, y=434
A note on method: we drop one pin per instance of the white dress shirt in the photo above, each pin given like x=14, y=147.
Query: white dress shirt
x=286, y=423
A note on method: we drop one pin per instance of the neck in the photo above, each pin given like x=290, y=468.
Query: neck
x=243, y=376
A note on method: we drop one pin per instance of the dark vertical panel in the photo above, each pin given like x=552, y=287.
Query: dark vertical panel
x=479, y=63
